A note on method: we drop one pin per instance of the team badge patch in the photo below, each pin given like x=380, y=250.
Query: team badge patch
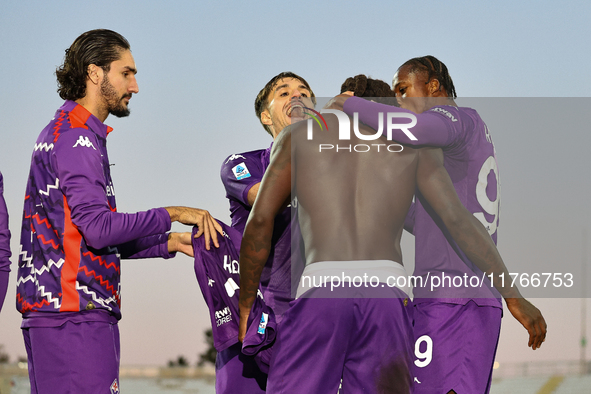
x=115, y=387
x=263, y=323
x=241, y=171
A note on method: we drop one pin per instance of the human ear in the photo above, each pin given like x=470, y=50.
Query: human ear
x=94, y=73
x=266, y=118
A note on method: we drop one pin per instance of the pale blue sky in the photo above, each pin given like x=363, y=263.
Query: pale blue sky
x=200, y=67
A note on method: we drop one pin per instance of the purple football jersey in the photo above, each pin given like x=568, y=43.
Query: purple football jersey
x=72, y=235
x=471, y=163
x=4, y=244
x=218, y=275
x=239, y=173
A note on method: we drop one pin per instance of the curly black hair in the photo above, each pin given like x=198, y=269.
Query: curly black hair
x=363, y=86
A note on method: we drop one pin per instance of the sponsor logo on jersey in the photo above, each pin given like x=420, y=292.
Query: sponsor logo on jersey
x=444, y=112
x=241, y=171
x=231, y=287
x=114, y=387
x=223, y=316
x=110, y=190
x=234, y=157
x=84, y=141
x=230, y=265
x=263, y=323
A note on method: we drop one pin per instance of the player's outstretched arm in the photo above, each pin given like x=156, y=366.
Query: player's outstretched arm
x=201, y=218
x=431, y=129
x=435, y=185
x=273, y=196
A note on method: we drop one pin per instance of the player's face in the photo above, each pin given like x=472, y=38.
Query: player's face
x=411, y=90
x=286, y=104
x=119, y=84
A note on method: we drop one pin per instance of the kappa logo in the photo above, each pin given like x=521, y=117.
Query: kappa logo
x=115, y=387
x=234, y=157
x=84, y=141
x=241, y=171
x=210, y=282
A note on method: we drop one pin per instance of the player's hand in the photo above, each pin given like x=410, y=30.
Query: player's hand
x=181, y=242
x=242, y=325
x=337, y=102
x=531, y=318
x=201, y=218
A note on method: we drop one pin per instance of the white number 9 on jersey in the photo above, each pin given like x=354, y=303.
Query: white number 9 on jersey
x=488, y=206
x=423, y=358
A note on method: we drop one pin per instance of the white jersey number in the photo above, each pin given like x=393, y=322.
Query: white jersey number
x=488, y=206
x=423, y=358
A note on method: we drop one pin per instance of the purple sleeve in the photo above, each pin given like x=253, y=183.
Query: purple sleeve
x=82, y=179
x=238, y=184
x=433, y=128
x=4, y=232
x=146, y=247
x=3, y=286
x=409, y=221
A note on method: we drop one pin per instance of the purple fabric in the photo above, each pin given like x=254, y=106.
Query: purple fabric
x=464, y=341
x=237, y=373
x=431, y=129
x=73, y=358
x=470, y=161
x=365, y=341
x=70, y=165
x=276, y=276
x=4, y=245
x=218, y=275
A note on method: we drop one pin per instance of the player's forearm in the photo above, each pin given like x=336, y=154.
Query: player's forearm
x=254, y=252
x=102, y=228
x=430, y=130
x=471, y=236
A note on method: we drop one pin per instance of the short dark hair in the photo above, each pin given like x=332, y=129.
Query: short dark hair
x=362, y=86
x=100, y=47
x=260, y=103
x=434, y=69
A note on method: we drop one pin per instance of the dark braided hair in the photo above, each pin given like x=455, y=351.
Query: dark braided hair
x=100, y=47
x=363, y=86
x=434, y=69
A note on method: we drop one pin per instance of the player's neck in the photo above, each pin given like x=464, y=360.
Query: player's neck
x=92, y=106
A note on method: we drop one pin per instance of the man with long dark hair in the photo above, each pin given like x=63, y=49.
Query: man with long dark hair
x=72, y=235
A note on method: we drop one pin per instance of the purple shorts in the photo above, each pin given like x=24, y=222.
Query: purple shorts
x=366, y=342
x=455, y=347
x=73, y=358
x=236, y=373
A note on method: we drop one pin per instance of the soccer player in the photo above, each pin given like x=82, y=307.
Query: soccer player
x=456, y=328
x=4, y=245
x=241, y=175
x=68, y=287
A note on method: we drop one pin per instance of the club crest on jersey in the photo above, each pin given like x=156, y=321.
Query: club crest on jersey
x=234, y=157
x=84, y=141
x=241, y=171
x=115, y=387
x=263, y=323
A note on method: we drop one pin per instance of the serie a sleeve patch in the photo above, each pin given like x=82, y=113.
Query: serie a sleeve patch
x=241, y=171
